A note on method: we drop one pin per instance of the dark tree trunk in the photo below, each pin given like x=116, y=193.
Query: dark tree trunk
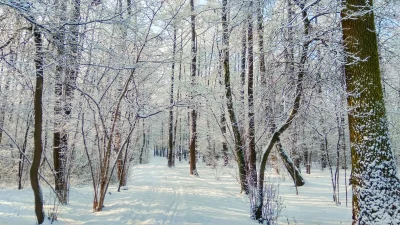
x=37, y=154
x=193, y=114
x=251, y=152
x=143, y=145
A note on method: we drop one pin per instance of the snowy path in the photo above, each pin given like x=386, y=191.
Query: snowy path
x=170, y=196
x=160, y=195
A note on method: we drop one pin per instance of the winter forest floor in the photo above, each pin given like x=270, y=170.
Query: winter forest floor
x=157, y=194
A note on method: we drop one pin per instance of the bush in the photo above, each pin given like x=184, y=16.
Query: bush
x=272, y=205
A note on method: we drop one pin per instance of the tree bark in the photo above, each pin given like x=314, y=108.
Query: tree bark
x=58, y=148
x=193, y=114
x=290, y=165
x=229, y=102
x=224, y=144
x=21, y=163
x=67, y=47
x=37, y=154
x=374, y=178
x=171, y=101
x=260, y=34
x=143, y=144
x=251, y=152
x=275, y=138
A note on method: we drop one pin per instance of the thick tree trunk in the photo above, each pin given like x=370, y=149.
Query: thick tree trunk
x=229, y=102
x=374, y=178
x=37, y=154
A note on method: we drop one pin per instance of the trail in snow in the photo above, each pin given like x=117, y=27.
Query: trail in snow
x=160, y=195
x=170, y=196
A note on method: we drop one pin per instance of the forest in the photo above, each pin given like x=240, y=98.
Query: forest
x=93, y=90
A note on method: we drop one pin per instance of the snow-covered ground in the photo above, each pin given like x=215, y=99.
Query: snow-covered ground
x=157, y=194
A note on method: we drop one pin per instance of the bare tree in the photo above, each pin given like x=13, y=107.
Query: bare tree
x=171, y=101
x=239, y=148
x=193, y=114
x=38, y=125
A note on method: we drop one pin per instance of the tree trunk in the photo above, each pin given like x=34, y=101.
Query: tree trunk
x=123, y=173
x=64, y=94
x=260, y=34
x=71, y=75
x=242, y=107
x=374, y=180
x=229, y=102
x=58, y=148
x=251, y=152
x=193, y=114
x=143, y=145
x=290, y=166
x=21, y=163
x=37, y=154
x=171, y=101
x=117, y=146
x=224, y=144
x=295, y=109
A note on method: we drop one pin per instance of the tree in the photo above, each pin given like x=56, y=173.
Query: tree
x=251, y=151
x=193, y=114
x=66, y=42
x=37, y=154
x=374, y=179
x=275, y=138
x=229, y=102
x=171, y=101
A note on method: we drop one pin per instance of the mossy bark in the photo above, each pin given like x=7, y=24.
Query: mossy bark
x=375, y=184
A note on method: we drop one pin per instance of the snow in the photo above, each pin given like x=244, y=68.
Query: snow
x=156, y=194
